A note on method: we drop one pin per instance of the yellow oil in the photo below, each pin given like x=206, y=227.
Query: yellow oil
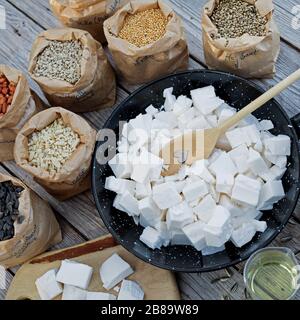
x=272, y=276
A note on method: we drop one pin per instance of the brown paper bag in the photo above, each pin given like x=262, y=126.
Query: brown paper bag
x=247, y=56
x=165, y=56
x=74, y=177
x=25, y=104
x=37, y=232
x=96, y=89
x=87, y=15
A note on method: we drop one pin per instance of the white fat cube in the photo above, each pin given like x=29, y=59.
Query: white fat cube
x=164, y=233
x=271, y=192
x=199, y=169
x=169, y=102
x=277, y=172
x=243, y=235
x=207, y=251
x=218, y=229
x=195, y=190
x=212, y=191
x=165, y=195
x=181, y=105
x=113, y=271
x=151, y=238
x=179, y=216
x=279, y=161
x=100, y=296
x=260, y=226
x=239, y=155
x=149, y=210
x=167, y=117
x=246, y=190
x=120, y=165
x=129, y=204
x=236, y=137
x=179, y=238
x=47, y=286
x=146, y=167
x=279, y=146
x=223, y=143
x=195, y=234
x=233, y=208
x=198, y=123
x=186, y=117
x=180, y=186
x=74, y=274
x=225, y=114
x=73, y=293
x=252, y=133
x=256, y=163
x=119, y=185
x=205, y=99
x=116, y=203
x=142, y=190
x=130, y=290
x=151, y=110
x=266, y=125
x=123, y=145
x=212, y=120
x=204, y=210
x=224, y=182
x=223, y=164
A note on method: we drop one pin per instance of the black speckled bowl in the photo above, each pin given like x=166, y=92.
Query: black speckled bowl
x=237, y=92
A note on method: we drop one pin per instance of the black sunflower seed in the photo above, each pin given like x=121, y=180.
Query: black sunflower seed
x=9, y=205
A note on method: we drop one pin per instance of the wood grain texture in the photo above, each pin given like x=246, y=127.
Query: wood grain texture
x=80, y=218
x=157, y=283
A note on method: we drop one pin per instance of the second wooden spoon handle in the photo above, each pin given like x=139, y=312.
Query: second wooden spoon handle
x=260, y=101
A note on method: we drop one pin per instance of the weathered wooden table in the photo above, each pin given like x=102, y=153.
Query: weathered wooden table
x=78, y=217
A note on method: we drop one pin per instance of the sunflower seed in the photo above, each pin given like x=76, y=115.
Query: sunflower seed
x=234, y=288
x=286, y=239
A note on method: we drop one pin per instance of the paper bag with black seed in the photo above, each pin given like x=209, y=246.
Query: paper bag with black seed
x=72, y=70
x=87, y=15
x=17, y=104
x=55, y=147
x=241, y=36
x=28, y=226
x=146, y=40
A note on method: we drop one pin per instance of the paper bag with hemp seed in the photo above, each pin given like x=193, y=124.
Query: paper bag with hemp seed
x=141, y=58
x=55, y=147
x=241, y=36
x=87, y=15
x=72, y=70
x=25, y=103
x=34, y=226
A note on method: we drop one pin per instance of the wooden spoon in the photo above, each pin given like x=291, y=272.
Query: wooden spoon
x=199, y=144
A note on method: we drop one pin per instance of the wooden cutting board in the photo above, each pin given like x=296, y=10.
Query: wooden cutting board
x=157, y=283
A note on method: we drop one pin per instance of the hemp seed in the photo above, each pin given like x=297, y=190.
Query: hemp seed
x=51, y=147
x=233, y=18
x=61, y=60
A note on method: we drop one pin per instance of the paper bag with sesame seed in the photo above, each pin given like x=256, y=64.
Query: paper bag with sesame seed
x=248, y=56
x=87, y=15
x=96, y=87
x=24, y=105
x=73, y=177
x=35, y=227
x=139, y=64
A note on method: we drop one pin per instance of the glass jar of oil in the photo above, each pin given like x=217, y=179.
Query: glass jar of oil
x=272, y=274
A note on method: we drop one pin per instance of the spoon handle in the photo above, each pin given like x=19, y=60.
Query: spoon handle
x=260, y=101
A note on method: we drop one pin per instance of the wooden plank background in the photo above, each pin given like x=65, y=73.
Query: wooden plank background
x=78, y=217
